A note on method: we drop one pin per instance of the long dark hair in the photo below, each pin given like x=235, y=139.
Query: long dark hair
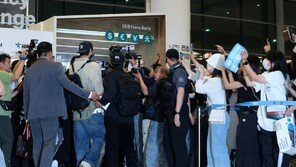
x=279, y=61
x=217, y=73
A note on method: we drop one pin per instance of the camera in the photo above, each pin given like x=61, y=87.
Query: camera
x=115, y=48
x=135, y=70
x=132, y=55
x=31, y=51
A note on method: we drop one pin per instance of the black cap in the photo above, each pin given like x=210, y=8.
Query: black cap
x=117, y=58
x=44, y=47
x=172, y=53
x=85, y=46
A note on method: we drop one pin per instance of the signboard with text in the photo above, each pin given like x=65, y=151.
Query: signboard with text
x=11, y=40
x=13, y=14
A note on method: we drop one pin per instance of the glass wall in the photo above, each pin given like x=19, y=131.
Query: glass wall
x=227, y=22
x=79, y=7
x=224, y=22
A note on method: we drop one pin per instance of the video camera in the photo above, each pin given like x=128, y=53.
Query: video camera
x=127, y=49
x=31, y=51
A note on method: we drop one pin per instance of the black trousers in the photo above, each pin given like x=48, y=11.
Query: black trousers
x=120, y=135
x=6, y=137
x=175, y=147
x=270, y=150
x=248, y=148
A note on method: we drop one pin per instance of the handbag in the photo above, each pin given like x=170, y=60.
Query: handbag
x=7, y=105
x=24, y=143
x=217, y=116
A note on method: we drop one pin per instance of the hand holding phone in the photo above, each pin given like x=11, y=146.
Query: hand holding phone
x=267, y=41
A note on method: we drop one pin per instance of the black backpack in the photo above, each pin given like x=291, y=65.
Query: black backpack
x=128, y=100
x=74, y=102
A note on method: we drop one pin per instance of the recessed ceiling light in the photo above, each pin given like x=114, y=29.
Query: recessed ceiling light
x=274, y=40
x=258, y=5
x=207, y=30
x=126, y=0
x=227, y=12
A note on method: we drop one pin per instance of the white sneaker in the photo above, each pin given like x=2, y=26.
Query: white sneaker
x=84, y=164
x=55, y=163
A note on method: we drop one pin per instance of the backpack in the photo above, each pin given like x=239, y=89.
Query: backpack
x=128, y=100
x=74, y=102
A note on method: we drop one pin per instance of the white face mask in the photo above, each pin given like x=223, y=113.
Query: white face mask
x=266, y=64
x=167, y=66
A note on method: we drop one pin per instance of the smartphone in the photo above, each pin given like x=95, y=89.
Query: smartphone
x=191, y=48
x=267, y=41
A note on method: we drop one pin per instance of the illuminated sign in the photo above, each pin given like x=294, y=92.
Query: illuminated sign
x=18, y=21
x=122, y=36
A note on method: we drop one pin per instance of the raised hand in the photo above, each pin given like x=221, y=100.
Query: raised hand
x=244, y=55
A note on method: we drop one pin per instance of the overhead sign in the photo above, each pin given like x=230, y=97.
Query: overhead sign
x=11, y=40
x=134, y=37
x=16, y=20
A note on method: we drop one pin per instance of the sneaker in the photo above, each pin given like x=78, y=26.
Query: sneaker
x=84, y=164
x=55, y=163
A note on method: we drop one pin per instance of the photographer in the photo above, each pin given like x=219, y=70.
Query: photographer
x=119, y=129
x=6, y=133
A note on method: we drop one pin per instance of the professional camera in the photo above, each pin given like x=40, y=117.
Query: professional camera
x=132, y=55
x=135, y=70
x=115, y=48
x=31, y=51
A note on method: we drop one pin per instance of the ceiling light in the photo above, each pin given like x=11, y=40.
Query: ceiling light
x=227, y=12
x=258, y=5
x=274, y=40
x=207, y=30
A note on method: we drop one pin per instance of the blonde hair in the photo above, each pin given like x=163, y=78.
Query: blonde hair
x=163, y=71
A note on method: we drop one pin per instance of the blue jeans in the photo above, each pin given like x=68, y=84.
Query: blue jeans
x=89, y=137
x=217, y=152
x=154, y=152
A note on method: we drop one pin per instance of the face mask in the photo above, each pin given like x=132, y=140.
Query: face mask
x=167, y=66
x=266, y=64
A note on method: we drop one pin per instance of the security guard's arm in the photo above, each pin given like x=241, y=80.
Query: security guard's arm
x=179, y=99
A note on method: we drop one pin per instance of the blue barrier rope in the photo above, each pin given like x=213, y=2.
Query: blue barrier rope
x=256, y=103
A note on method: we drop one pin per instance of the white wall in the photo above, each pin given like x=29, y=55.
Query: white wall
x=177, y=20
x=11, y=37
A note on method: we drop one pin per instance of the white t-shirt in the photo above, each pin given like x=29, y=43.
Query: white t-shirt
x=213, y=88
x=273, y=90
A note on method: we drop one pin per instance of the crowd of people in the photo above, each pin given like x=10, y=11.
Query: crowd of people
x=105, y=134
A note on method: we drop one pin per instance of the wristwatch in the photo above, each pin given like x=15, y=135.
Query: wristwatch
x=176, y=112
x=245, y=63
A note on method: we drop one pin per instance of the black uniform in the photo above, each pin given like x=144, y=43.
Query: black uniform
x=175, y=137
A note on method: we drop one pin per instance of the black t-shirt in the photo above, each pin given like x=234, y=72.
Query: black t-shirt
x=246, y=94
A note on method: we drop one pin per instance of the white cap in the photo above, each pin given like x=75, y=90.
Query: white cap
x=216, y=60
